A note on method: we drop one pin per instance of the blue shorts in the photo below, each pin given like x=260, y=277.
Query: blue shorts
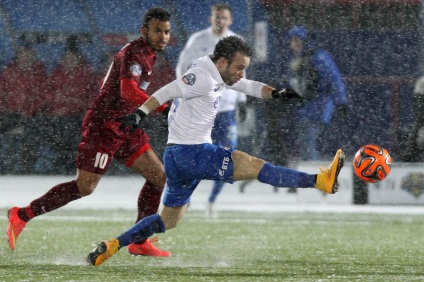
x=187, y=165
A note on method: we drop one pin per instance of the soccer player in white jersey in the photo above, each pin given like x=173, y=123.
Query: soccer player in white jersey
x=224, y=131
x=190, y=155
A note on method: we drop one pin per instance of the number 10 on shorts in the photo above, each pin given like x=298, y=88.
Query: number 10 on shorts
x=101, y=160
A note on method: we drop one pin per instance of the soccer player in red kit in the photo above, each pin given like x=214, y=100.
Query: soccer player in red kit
x=122, y=91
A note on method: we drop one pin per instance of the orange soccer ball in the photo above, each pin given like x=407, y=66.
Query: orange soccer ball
x=372, y=163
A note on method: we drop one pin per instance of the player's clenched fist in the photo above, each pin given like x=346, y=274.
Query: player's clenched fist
x=132, y=120
x=285, y=93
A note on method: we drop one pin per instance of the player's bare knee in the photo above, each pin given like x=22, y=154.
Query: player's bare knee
x=161, y=180
x=87, y=182
x=158, y=180
x=85, y=189
x=86, y=192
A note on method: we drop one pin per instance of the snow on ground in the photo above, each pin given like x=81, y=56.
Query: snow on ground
x=122, y=192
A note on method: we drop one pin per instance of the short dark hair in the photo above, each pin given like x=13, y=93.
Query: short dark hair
x=156, y=13
x=229, y=46
x=220, y=7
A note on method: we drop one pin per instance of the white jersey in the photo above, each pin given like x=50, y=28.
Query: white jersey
x=197, y=95
x=198, y=45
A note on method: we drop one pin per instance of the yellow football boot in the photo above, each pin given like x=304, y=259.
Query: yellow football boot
x=102, y=252
x=327, y=178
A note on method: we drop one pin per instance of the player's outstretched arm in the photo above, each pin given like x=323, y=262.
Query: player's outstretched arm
x=264, y=91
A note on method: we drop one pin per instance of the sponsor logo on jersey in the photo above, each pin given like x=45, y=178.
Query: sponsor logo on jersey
x=189, y=79
x=135, y=70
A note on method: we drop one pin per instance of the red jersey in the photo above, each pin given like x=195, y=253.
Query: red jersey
x=134, y=62
x=122, y=90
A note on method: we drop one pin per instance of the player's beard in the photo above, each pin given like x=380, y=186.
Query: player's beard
x=227, y=77
x=152, y=45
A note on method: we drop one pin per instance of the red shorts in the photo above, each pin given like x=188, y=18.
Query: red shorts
x=102, y=141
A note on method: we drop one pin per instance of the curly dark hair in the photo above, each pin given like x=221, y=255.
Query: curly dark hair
x=156, y=13
x=229, y=46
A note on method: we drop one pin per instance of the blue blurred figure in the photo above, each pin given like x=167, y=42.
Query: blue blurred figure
x=314, y=75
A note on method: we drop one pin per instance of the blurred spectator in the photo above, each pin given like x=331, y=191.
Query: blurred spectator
x=22, y=99
x=314, y=75
x=417, y=142
x=69, y=87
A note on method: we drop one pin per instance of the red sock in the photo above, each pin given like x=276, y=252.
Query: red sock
x=55, y=198
x=148, y=201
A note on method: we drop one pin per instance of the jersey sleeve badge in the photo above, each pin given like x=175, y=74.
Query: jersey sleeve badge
x=135, y=70
x=189, y=79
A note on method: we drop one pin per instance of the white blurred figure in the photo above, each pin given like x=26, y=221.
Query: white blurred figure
x=419, y=119
x=199, y=44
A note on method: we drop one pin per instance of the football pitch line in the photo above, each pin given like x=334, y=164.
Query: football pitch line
x=196, y=217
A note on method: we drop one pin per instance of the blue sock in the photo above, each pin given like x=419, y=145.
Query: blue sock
x=279, y=176
x=143, y=229
x=216, y=189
